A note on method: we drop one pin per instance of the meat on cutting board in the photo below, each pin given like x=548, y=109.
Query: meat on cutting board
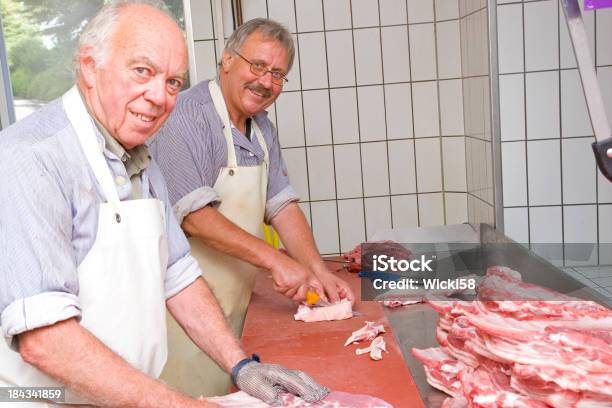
x=338, y=311
x=377, y=346
x=336, y=399
x=366, y=333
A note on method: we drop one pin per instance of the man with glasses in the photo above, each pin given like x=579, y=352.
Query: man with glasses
x=221, y=157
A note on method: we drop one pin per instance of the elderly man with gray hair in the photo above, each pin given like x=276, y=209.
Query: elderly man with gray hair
x=221, y=157
x=91, y=252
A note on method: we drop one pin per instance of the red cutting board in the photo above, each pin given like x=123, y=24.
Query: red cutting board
x=318, y=348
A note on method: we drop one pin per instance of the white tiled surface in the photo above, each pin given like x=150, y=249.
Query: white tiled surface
x=365, y=13
x=428, y=164
x=367, y=56
x=446, y=9
x=317, y=123
x=405, y=211
x=337, y=14
x=398, y=104
x=340, y=58
x=449, y=49
x=420, y=11
x=425, y=107
x=560, y=172
x=352, y=223
x=456, y=208
x=431, y=209
x=453, y=162
x=401, y=167
x=516, y=224
x=371, y=113
x=309, y=15
x=295, y=159
x=451, y=107
x=325, y=226
x=378, y=214
x=542, y=98
x=205, y=59
x=348, y=170
x=395, y=51
x=422, y=51
x=283, y=12
x=321, y=173
x=392, y=12
x=345, y=122
x=312, y=60
x=290, y=121
x=375, y=169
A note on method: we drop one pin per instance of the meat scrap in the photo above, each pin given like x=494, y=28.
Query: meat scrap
x=366, y=251
x=377, y=346
x=515, y=347
x=336, y=399
x=338, y=311
x=366, y=333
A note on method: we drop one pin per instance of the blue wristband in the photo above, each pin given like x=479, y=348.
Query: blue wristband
x=241, y=364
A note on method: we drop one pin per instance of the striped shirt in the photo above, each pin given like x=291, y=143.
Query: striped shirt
x=49, y=204
x=191, y=150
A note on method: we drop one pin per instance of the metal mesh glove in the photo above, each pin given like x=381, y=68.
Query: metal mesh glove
x=268, y=381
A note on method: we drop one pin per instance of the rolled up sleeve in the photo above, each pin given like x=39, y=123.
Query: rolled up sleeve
x=275, y=204
x=43, y=309
x=195, y=200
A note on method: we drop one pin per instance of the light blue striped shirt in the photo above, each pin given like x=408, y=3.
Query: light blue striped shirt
x=49, y=203
x=191, y=150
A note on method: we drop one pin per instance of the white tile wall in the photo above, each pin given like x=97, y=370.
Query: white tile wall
x=295, y=160
x=378, y=214
x=309, y=15
x=428, y=164
x=348, y=170
x=431, y=209
x=420, y=11
x=425, y=107
x=510, y=38
x=205, y=59
x=514, y=168
x=544, y=161
x=345, y=121
x=290, y=122
x=282, y=11
x=605, y=234
x=371, y=113
x=580, y=227
x=512, y=107
x=337, y=14
x=325, y=226
x=545, y=224
x=352, y=223
x=395, y=51
x=516, y=224
x=604, y=33
x=453, y=161
x=402, y=167
x=604, y=189
x=579, y=181
x=367, y=56
x=446, y=9
x=456, y=208
x=374, y=163
x=422, y=51
x=567, y=53
x=321, y=173
x=313, y=64
x=202, y=11
x=392, y=12
x=341, y=64
x=398, y=104
x=317, y=122
x=365, y=13
x=542, y=99
x=449, y=49
x=541, y=35
x=405, y=211
x=253, y=8
x=451, y=107
x=574, y=115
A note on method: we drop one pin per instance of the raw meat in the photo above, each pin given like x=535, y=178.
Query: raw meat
x=520, y=345
x=377, y=346
x=336, y=399
x=366, y=333
x=389, y=248
x=338, y=311
x=398, y=298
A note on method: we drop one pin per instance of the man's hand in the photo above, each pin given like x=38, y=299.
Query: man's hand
x=293, y=279
x=335, y=288
x=268, y=381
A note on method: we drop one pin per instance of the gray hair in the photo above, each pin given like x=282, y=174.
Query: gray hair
x=269, y=29
x=99, y=30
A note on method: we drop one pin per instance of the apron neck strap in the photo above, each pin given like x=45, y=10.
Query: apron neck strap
x=84, y=128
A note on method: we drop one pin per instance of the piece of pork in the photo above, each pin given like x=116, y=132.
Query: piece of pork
x=366, y=333
x=338, y=311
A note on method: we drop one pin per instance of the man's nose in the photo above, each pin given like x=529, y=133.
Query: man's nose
x=156, y=91
x=266, y=80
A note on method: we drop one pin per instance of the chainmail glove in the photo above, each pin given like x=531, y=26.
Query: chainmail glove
x=268, y=381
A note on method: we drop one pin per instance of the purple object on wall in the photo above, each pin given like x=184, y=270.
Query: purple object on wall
x=597, y=4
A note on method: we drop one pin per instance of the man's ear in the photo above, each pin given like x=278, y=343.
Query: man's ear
x=87, y=65
x=226, y=61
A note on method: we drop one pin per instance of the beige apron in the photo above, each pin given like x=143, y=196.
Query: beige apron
x=243, y=201
x=121, y=279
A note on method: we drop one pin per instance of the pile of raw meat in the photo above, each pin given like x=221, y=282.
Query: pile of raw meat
x=368, y=249
x=336, y=399
x=520, y=345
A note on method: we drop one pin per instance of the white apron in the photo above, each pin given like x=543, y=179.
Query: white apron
x=121, y=279
x=243, y=201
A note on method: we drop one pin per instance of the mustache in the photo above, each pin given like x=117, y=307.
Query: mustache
x=263, y=91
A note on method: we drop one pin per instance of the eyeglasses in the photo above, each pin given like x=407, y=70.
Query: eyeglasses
x=259, y=69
